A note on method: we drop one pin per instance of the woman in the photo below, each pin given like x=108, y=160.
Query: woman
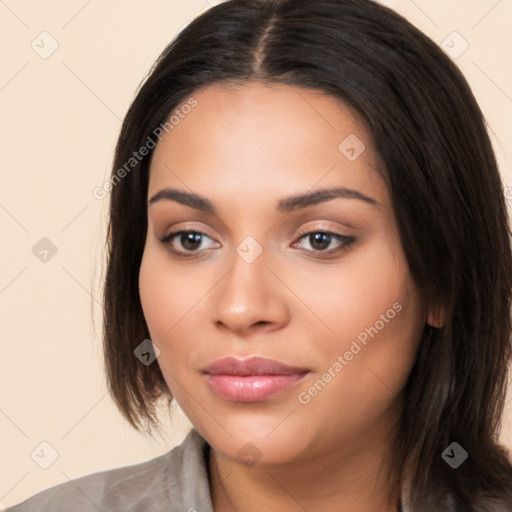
x=309, y=251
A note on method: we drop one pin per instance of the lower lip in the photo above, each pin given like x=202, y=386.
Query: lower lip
x=252, y=388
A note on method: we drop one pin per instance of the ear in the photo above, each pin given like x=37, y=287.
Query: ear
x=436, y=317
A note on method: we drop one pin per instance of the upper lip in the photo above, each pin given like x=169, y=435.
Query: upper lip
x=251, y=366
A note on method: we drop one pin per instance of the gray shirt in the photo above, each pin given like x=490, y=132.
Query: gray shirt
x=174, y=482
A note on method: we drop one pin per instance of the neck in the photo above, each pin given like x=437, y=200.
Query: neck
x=343, y=479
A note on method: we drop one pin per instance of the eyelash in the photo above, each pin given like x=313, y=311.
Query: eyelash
x=346, y=242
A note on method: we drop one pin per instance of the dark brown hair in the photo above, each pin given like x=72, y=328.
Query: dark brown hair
x=448, y=200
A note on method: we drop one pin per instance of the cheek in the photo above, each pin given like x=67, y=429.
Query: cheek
x=376, y=315
x=369, y=294
x=152, y=282
x=174, y=303
x=166, y=292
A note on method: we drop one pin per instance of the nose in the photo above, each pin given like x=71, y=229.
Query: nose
x=250, y=298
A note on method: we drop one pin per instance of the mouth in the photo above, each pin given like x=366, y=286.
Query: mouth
x=251, y=380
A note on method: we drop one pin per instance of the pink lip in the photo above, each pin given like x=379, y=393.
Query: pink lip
x=251, y=380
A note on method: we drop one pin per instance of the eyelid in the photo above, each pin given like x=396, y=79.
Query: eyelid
x=174, y=233
x=187, y=226
x=324, y=225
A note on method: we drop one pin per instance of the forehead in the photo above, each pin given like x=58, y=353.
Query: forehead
x=258, y=137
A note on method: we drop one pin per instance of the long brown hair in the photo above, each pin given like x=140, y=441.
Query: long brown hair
x=447, y=195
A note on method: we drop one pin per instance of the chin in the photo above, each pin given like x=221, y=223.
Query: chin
x=249, y=441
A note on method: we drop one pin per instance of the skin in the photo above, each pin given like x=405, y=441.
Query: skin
x=245, y=148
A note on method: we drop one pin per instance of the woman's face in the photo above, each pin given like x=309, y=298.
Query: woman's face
x=318, y=283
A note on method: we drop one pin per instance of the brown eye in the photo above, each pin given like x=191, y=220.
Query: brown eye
x=319, y=241
x=185, y=243
x=190, y=241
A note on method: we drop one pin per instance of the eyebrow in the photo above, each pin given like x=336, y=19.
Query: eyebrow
x=287, y=204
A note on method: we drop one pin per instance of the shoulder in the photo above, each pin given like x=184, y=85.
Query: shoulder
x=156, y=484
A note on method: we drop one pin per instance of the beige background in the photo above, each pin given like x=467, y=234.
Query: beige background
x=60, y=119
